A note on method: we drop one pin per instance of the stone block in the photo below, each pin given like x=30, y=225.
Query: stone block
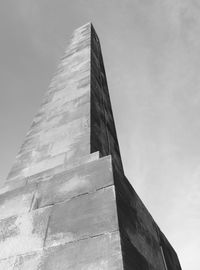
x=17, y=201
x=97, y=253
x=70, y=144
x=82, y=217
x=66, y=131
x=69, y=164
x=7, y=264
x=137, y=224
x=25, y=233
x=75, y=113
x=73, y=91
x=30, y=261
x=11, y=185
x=80, y=180
x=48, y=174
x=44, y=165
x=67, y=108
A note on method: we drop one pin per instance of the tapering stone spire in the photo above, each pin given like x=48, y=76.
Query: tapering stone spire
x=66, y=204
x=75, y=118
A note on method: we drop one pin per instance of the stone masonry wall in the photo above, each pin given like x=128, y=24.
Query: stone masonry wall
x=103, y=131
x=141, y=238
x=58, y=205
x=60, y=132
x=66, y=204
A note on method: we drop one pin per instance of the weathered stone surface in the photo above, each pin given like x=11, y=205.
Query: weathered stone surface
x=22, y=234
x=7, y=264
x=83, y=179
x=44, y=165
x=97, y=253
x=103, y=132
x=140, y=235
x=83, y=213
x=16, y=201
x=48, y=174
x=63, y=121
x=67, y=131
x=11, y=185
x=30, y=261
x=82, y=217
x=169, y=254
x=81, y=160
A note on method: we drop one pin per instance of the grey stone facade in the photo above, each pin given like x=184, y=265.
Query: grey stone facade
x=66, y=204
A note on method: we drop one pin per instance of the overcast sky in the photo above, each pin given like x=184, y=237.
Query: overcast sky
x=151, y=51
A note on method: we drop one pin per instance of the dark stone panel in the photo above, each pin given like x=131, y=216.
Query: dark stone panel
x=169, y=253
x=139, y=229
x=101, y=105
x=132, y=259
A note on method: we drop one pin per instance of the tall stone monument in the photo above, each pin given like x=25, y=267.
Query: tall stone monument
x=66, y=204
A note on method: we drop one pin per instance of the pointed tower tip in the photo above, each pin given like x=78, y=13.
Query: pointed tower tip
x=88, y=24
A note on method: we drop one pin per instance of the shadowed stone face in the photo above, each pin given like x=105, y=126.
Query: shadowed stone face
x=66, y=204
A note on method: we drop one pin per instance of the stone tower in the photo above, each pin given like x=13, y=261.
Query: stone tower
x=66, y=204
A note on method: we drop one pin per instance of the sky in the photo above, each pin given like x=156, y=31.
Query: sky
x=151, y=52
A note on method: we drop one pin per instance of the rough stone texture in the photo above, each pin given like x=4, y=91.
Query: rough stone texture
x=81, y=180
x=140, y=235
x=66, y=204
x=16, y=201
x=22, y=234
x=102, y=252
x=103, y=132
x=60, y=131
x=84, y=216
x=7, y=264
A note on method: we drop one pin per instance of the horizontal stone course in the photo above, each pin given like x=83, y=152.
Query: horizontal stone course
x=47, y=174
x=72, y=256
x=102, y=252
x=16, y=197
x=44, y=165
x=86, y=178
x=11, y=185
x=82, y=217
